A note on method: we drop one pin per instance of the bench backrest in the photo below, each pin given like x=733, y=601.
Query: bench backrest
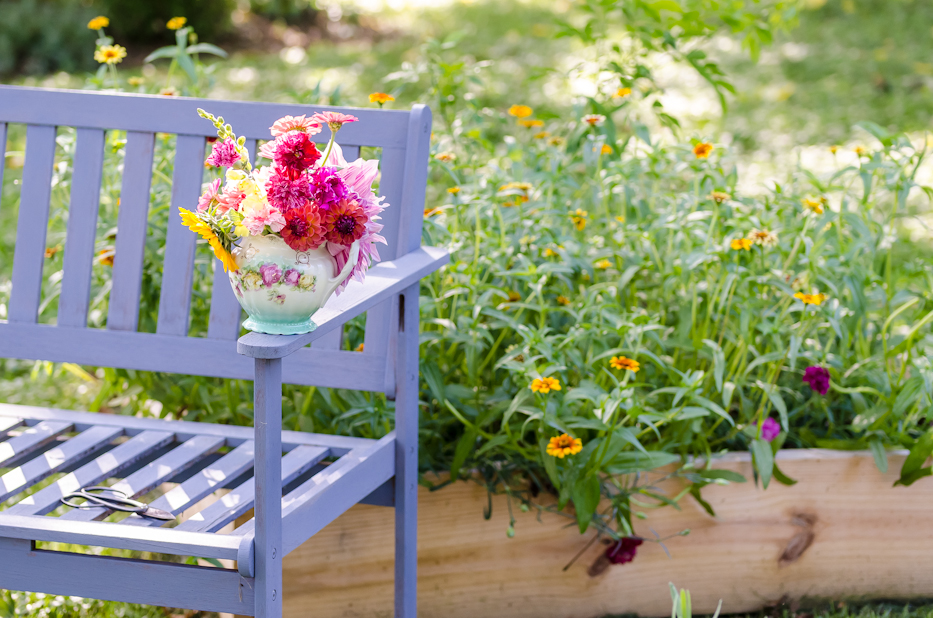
x=403, y=136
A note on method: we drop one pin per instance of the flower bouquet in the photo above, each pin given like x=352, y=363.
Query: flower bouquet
x=291, y=233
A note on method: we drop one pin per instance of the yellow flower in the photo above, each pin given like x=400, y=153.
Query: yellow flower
x=563, y=300
x=550, y=253
x=194, y=223
x=763, y=238
x=719, y=196
x=556, y=141
x=542, y=135
x=110, y=54
x=603, y=264
x=514, y=296
x=563, y=445
x=741, y=244
x=136, y=81
x=380, y=98
x=579, y=218
x=360, y=347
x=623, y=362
x=702, y=150
x=531, y=123
x=446, y=157
x=594, y=119
x=834, y=149
x=429, y=212
x=810, y=299
x=453, y=190
x=520, y=111
x=176, y=23
x=623, y=92
x=521, y=186
x=98, y=23
x=169, y=91
x=105, y=257
x=814, y=204
x=606, y=149
x=860, y=150
x=545, y=385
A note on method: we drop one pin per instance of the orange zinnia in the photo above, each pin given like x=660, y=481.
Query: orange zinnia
x=544, y=385
x=563, y=445
x=702, y=150
x=623, y=362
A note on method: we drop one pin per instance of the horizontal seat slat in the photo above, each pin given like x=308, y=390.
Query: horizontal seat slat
x=212, y=477
x=9, y=423
x=178, y=115
x=241, y=499
x=165, y=467
x=92, y=473
x=31, y=439
x=55, y=459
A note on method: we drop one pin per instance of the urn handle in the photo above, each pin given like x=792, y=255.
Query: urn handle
x=333, y=282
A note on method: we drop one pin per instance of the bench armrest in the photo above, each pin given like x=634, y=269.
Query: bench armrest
x=382, y=282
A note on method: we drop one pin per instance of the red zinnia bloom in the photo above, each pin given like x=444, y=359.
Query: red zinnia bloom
x=345, y=222
x=334, y=120
x=303, y=230
x=286, y=193
x=623, y=550
x=295, y=152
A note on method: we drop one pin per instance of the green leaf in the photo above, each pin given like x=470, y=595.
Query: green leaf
x=162, y=52
x=908, y=395
x=184, y=61
x=719, y=362
x=729, y=475
x=782, y=478
x=764, y=460
x=207, y=48
x=695, y=492
x=880, y=455
x=913, y=466
x=585, y=495
x=464, y=448
x=630, y=462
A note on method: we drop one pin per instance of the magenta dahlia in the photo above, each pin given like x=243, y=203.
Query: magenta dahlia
x=286, y=193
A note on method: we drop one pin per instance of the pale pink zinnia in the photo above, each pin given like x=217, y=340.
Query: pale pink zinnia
x=224, y=154
x=207, y=198
x=257, y=219
x=295, y=123
x=334, y=120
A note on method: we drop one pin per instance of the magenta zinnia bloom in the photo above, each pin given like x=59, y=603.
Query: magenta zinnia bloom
x=294, y=152
x=285, y=193
x=623, y=550
x=334, y=120
x=208, y=197
x=345, y=223
x=817, y=378
x=295, y=123
x=770, y=429
x=303, y=230
x=224, y=154
x=327, y=187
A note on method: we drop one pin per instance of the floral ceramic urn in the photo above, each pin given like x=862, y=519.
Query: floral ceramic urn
x=280, y=288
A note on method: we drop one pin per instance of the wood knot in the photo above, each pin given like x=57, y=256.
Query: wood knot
x=800, y=541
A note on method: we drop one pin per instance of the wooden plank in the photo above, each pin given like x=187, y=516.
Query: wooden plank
x=106, y=534
x=121, y=579
x=240, y=500
x=330, y=492
x=178, y=115
x=178, y=266
x=331, y=341
x=382, y=281
x=54, y=459
x=32, y=225
x=165, y=467
x=32, y=439
x=132, y=222
x=212, y=477
x=183, y=430
x=2, y=154
x=9, y=423
x=867, y=543
x=92, y=473
x=82, y=228
x=225, y=310
x=268, y=548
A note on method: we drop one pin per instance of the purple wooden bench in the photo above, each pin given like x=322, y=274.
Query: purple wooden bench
x=323, y=475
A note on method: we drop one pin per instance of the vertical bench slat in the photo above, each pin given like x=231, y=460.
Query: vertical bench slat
x=225, y=310
x=295, y=463
x=351, y=153
x=82, y=228
x=70, y=451
x=199, y=486
x=29, y=254
x=2, y=153
x=92, y=473
x=178, y=267
x=251, y=149
x=175, y=461
x=131, y=232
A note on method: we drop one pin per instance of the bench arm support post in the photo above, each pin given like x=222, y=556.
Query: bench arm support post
x=267, y=421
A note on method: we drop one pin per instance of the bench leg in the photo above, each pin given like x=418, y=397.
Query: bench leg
x=267, y=410
x=406, y=458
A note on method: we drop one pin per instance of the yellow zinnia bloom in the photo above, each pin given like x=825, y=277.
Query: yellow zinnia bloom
x=623, y=92
x=719, y=196
x=544, y=385
x=814, y=204
x=453, y=190
x=603, y=264
x=110, y=54
x=98, y=23
x=579, y=218
x=380, y=98
x=446, y=157
x=194, y=223
x=702, y=150
x=176, y=23
x=550, y=253
x=741, y=244
x=542, y=135
x=623, y=362
x=520, y=111
x=606, y=149
x=810, y=299
x=563, y=300
x=563, y=445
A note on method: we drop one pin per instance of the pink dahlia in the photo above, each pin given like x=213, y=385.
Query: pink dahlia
x=303, y=230
x=623, y=550
x=345, y=222
x=224, y=154
x=295, y=123
x=327, y=187
x=334, y=120
x=285, y=193
x=257, y=219
x=208, y=198
x=770, y=429
x=817, y=378
x=294, y=152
